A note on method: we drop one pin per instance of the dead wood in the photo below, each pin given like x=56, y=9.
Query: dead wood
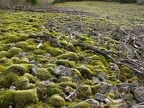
x=107, y=56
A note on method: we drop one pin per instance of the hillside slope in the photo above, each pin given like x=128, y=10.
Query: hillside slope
x=52, y=60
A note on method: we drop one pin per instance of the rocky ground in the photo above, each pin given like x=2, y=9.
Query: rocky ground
x=56, y=60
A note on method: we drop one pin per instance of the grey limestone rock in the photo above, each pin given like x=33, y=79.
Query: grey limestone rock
x=62, y=71
x=139, y=94
x=94, y=103
x=100, y=97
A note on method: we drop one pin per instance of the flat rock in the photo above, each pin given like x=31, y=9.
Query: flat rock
x=139, y=94
x=62, y=71
x=94, y=103
x=99, y=96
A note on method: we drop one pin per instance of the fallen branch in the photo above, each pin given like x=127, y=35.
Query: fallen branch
x=54, y=41
x=107, y=56
x=73, y=93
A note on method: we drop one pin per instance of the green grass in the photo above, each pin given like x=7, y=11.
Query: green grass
x=126, y=15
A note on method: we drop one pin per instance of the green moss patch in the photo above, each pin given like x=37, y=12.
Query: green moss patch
x=57, y=101
x=16, y=68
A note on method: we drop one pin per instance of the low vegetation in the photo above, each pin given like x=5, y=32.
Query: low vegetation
x=56, y=60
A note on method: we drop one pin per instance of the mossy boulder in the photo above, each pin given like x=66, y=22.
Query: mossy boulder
x=69, y=56
x=13, y=51
x=43, y=74
x=22, y=83
x=23, y=45
x=31, y=78
x=66, y=63
x=111, y=95
x=12, y=38
x=54, y=51
x=7, y=98
x=126, y=72
x=65, y=84
x=5, y=61
x=57, y=101
x=82, y=104
x=25, y=97
x=16, y=68
x=54, y=90
x=8, y=80
x=95, y=88
x=39, y=52
x=85, y=72
x=84, y=92
x=65, y=79
x=99, y=58
x=17, y=60
x=3, y=54
x=76, y=72
x=19, y=99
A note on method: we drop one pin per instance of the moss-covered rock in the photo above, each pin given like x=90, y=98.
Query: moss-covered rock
x=65, y=79
x=71, y=84
x=54, y=90
x=17, y=60
x=13, y=51
x=126, y=72
x=3, y=54
x=84, y=92
x=54, y=51
x=16, y=68
x=43, y=74
x=76, y=72
x=82, y=104
x=69, y=56
x=57, y=101
x=95, y=88
x=31, y=78
x=66, y=63
x=7, y=98
x=111, y=95
x=22, y=83
x=25, y=97
x=23, y=45
x=12, y=38
x=85, y=72
x=101, y=59
x=8, y=80
x=39, y=52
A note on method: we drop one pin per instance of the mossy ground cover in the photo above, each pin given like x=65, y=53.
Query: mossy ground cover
x=28, y=64
x=125, y=15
